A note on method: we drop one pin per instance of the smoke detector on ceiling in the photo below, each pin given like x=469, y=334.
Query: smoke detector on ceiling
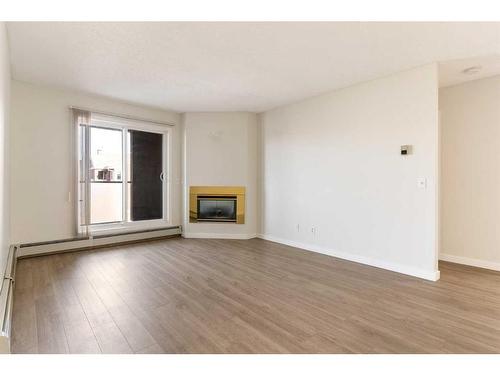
x=472, y=70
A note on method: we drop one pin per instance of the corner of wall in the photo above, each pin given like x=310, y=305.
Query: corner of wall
x=260, y=174
x=221, y=149
x=5, y=81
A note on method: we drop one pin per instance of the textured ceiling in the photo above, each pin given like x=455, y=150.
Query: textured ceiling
x=200, y=66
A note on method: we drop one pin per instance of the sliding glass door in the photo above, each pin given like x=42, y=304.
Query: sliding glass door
x=122, y=175
x=146, y=175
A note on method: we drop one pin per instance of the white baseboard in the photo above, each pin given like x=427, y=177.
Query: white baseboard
x=495, y=266
x=48, y=248
x=423, y=274
x=227, y=236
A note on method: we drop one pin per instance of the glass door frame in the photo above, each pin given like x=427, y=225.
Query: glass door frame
x=124, y=125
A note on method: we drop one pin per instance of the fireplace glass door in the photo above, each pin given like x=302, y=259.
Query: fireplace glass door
x=217, y=208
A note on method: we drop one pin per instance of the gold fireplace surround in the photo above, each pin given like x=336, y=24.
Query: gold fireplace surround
x=237, y=191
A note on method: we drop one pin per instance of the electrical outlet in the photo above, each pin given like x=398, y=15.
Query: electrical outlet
x=422, y=183
x=313, y=231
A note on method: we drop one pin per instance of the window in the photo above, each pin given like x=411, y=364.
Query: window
x=122, y=174
x=105, y=170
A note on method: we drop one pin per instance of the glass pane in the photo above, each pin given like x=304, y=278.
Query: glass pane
x=216, y=209
x=146, y=180
x=105, y=154
x=207, y=209
x=106, y=185
x=106, y=202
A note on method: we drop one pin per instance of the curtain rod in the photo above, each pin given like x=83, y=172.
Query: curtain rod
x=123, y=116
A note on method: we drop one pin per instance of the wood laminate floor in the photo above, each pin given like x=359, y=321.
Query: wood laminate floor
x=246, y=296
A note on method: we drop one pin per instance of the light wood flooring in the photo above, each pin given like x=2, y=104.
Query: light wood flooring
x=246, y=296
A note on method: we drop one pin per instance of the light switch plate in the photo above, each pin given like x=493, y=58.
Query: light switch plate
x=422, y=183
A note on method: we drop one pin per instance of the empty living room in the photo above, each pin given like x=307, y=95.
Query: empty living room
x=233, y=186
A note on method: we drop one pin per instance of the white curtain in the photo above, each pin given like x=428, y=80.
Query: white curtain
x=81, y=123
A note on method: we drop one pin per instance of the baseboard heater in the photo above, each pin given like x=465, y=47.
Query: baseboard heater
x=96, y=241
x=6, y=301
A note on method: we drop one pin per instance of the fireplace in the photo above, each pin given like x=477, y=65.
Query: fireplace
x=217, y=208
x=224, y=204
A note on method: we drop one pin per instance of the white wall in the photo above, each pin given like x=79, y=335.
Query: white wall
x=334, y=180
x=4, y=147
x=221, y=149
x=470, y=168
x=41, y=158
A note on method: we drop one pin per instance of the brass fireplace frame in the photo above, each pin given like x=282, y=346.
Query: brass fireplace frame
x=223, y=191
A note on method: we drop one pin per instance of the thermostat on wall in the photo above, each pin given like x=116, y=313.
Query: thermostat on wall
x=405, y=149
